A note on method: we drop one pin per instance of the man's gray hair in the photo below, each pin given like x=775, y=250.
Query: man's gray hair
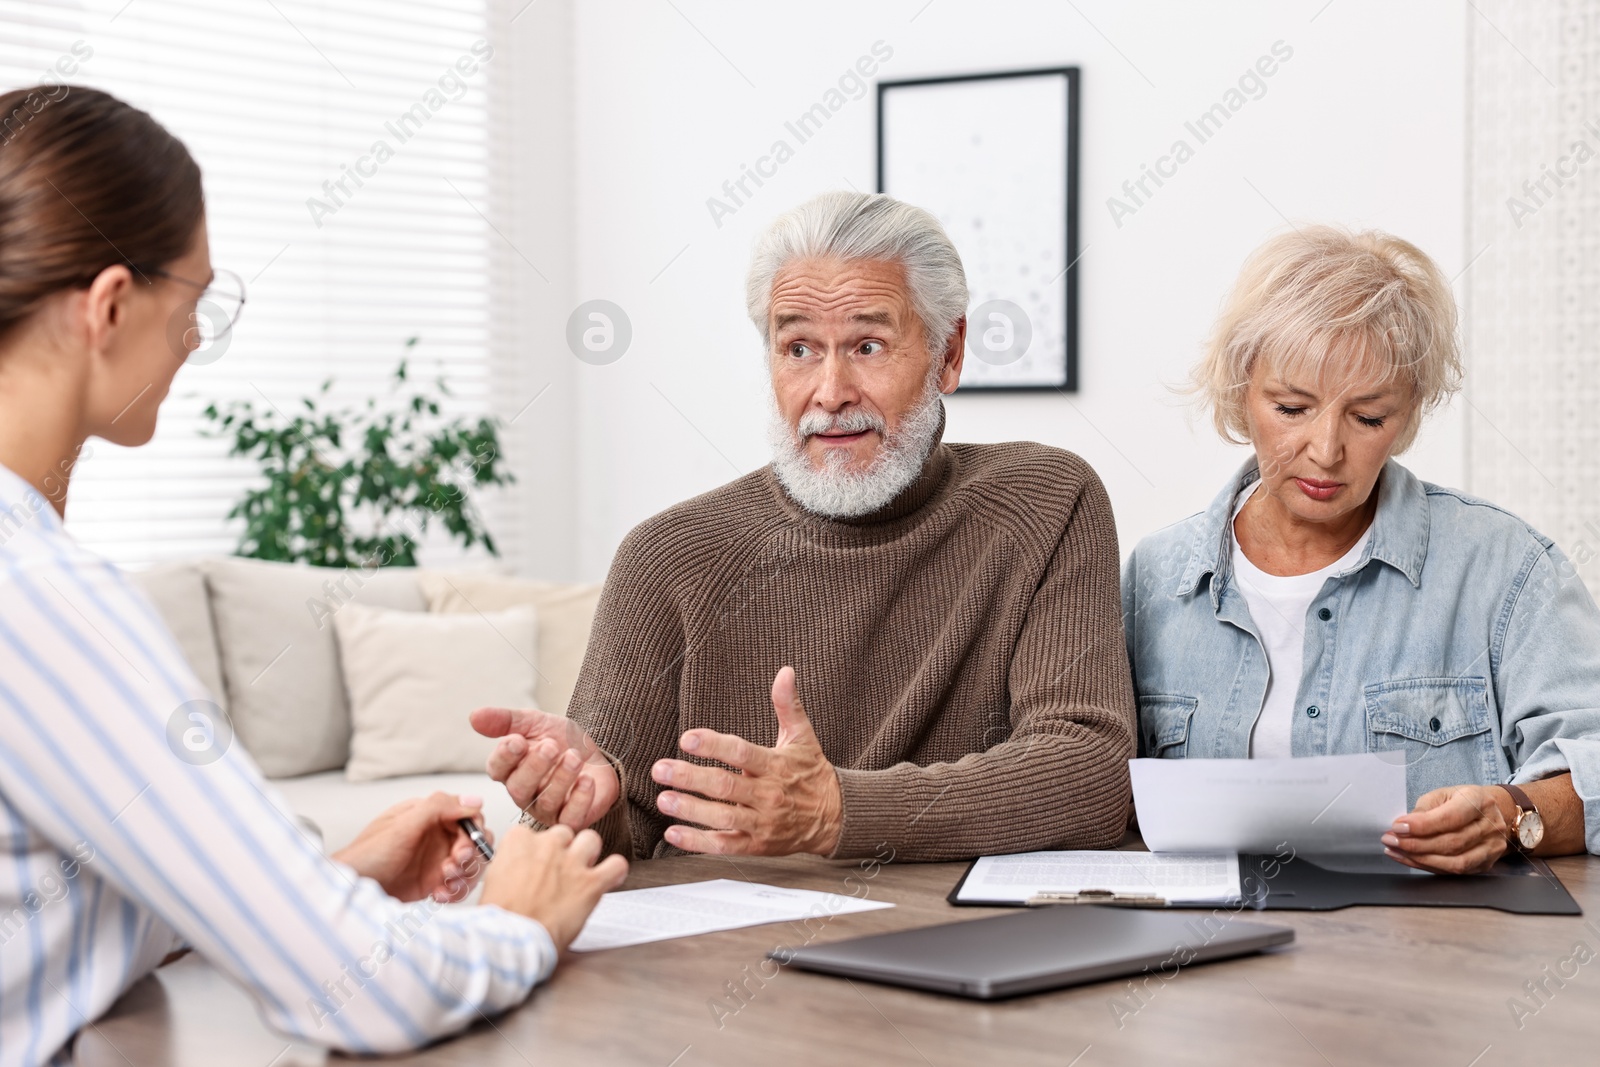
x=860, y=226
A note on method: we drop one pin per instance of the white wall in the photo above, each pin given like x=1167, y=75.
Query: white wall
x=542, y=422
x=1362, y=126
x=1534, y=377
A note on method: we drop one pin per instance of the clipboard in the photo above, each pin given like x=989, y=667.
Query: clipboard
x=1519, y=884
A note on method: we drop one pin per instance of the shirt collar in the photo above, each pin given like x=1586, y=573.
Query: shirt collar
x=1399, y=530
x=20, y=502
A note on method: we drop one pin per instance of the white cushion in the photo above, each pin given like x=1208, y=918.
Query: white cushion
x=280, y=659
x=178, y=593
x=566, y=612
x=340, y=808
x=414, y=678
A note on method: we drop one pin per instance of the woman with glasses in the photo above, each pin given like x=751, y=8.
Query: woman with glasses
x=118, y=853
x=1329, y=601
x=204, y=330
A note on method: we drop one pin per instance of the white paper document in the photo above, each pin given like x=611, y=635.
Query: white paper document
x=637, y=916
x=1175, y=877
x=1314, y=804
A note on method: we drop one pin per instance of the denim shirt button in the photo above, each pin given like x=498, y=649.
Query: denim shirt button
x=1313, y=711
x=1152, y=740
x=1324, y=614
x=1433, y=724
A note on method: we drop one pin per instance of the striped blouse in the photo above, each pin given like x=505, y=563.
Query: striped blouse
x=123, y=838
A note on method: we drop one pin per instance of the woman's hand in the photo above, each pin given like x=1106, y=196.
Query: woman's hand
x=552, y=876
x=1460, y=829
x=416, y=850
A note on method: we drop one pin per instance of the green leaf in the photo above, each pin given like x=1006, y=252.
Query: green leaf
x=322, y=502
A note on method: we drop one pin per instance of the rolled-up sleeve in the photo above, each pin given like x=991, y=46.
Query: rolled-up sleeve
x=1547, y=681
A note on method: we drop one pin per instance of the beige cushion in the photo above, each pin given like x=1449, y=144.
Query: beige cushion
x=414, y=678
x=280, y=660
x=178, y=592
x=565, y=614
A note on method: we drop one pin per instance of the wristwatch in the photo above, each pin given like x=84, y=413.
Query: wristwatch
x=1527, y=829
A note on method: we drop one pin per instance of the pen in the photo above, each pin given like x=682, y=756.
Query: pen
x=1098, y=896
x=470, y=828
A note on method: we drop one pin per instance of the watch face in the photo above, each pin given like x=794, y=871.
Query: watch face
x=1530, y=830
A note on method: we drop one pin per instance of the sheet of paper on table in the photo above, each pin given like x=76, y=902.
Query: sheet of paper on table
x=638, y=916
x=1176, y=877
x=1314, y=804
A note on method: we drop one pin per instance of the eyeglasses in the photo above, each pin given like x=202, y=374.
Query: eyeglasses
x=218, y=307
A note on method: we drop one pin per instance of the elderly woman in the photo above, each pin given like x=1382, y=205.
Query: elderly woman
x=1328, y=601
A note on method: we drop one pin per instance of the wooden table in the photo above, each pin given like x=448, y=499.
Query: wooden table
x=1359, y=986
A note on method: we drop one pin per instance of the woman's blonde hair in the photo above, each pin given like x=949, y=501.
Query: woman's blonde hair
x=1308, y=300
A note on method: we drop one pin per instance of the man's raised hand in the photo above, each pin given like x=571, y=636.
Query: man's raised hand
x=785, y=799
x=549, y=765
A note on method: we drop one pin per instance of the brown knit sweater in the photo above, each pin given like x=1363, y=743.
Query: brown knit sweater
x=960, y=653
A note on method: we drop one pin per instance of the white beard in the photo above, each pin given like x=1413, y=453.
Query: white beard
x=837, y=492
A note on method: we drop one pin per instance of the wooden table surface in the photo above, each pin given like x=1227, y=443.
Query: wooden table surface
x=1358, y=986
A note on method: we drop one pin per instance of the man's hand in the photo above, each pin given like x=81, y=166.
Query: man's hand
x=416, y=850
x=1460, y=829
x=549, y=766
x=786, y=800
x=552, y=877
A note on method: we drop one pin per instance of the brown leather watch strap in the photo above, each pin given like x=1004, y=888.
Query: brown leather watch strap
x=1525, y=804
x=1522, y=800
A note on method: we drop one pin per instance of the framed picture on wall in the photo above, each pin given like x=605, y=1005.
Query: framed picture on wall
x=994, y=157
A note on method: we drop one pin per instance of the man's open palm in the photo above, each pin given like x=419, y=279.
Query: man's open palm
x=782, y=800
x=551, y=768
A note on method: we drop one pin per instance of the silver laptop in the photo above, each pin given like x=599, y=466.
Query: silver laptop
x=1039, y=949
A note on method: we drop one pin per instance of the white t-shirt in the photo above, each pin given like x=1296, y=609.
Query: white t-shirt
x=1278, y=607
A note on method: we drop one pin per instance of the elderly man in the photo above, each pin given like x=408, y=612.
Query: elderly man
x=949, y=613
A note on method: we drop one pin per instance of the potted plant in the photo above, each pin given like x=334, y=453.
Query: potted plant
x=358, y=486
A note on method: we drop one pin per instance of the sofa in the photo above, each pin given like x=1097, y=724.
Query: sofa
x=277, y=644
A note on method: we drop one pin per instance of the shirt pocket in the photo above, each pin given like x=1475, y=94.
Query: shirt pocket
x=1164, y=725
x=1444, y=726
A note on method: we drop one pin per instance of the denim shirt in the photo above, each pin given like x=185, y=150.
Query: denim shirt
x=1461, y=635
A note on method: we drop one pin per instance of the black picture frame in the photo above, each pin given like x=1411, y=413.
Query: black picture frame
x=1072, y=81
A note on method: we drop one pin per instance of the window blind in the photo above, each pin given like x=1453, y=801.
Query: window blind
x=353, y=174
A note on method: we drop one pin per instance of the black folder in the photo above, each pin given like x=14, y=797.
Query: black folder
x=1517, y=884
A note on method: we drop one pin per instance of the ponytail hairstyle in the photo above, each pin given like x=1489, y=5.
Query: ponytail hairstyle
x=86, y=182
